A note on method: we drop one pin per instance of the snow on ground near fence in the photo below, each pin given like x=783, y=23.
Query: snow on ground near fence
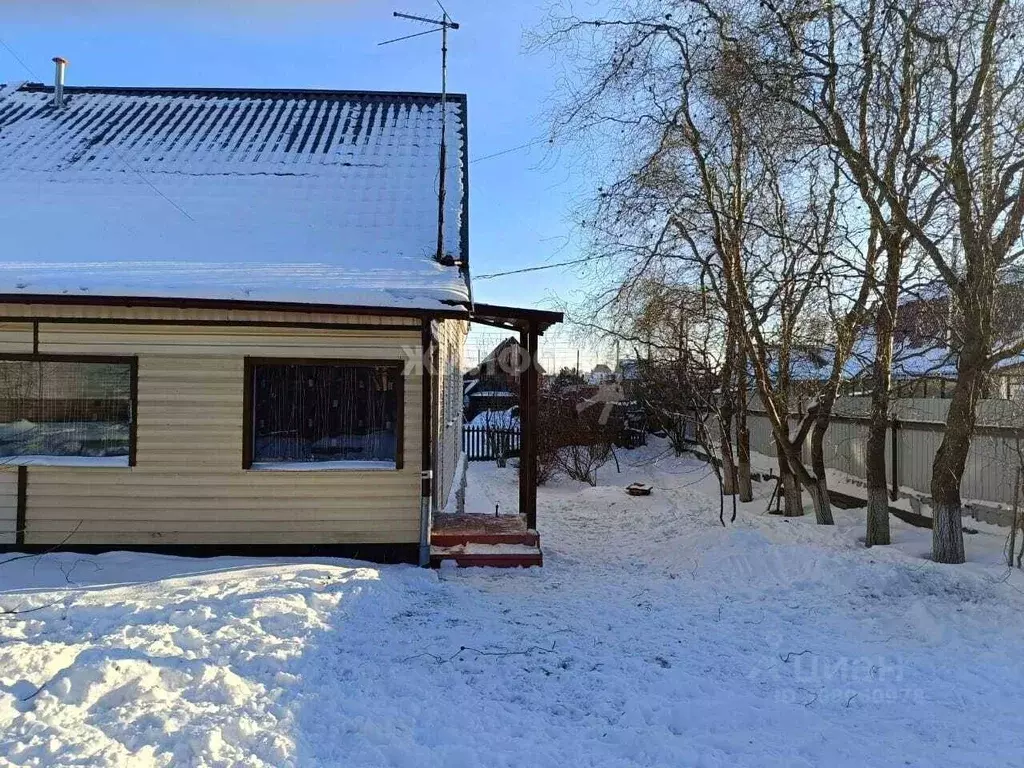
x=652, y=637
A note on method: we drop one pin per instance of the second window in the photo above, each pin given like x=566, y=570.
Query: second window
x=313, y=415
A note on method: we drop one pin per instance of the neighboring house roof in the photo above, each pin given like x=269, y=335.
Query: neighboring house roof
x=501, y=357
x=316, y=197
x=909, y=362
x=507, y=419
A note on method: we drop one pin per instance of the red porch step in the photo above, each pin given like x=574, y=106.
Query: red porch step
x=493, y=555
x=487, y=555
x=456, y=538
x=482, y=540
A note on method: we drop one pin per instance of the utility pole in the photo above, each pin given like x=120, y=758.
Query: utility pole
x=441, y=25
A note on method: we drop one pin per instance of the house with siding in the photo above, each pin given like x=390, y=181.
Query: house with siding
x=233, y=320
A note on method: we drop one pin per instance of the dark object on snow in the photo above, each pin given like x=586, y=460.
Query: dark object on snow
x=638, y=489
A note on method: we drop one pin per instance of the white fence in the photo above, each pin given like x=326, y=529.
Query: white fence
x=485, y=443
x=912, y=440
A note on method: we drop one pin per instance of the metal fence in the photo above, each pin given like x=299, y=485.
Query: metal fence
x=487, y=443
x=915, y=432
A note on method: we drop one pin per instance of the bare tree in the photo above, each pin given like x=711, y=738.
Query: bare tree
x=963, y=61
x=722, y=193
x=799, y=244
x=883, y=110
x=675, y=210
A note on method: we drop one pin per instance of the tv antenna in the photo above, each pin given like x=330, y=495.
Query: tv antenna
x=441, y=25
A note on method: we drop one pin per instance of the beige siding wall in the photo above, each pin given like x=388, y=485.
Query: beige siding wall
x=15, y=338
x=451, y=341
x=188, y=485
x=8, y=504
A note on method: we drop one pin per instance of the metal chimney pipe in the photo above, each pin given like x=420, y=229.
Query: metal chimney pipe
x=58, y=82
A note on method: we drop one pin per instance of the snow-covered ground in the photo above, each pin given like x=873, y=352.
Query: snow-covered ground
x=653, y=636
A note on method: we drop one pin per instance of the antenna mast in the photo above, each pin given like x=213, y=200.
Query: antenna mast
x=443, y=25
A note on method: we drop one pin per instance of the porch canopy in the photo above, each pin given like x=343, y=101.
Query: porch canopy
x=531, y=324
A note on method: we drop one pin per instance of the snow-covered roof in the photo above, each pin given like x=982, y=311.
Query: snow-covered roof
x=936, y=361
x=504, y=358
x=507, y=419
x=317, y=197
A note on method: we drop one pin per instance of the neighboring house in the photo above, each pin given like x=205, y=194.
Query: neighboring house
x=627, y=374
x=601, y=374
x=493, y=384
x=924, y=360
x=925, y=328
x=916, y=371
x=213, y=315
x=1009, y=384
x=627, y=370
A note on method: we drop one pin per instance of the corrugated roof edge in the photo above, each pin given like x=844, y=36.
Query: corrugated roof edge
x=464, y=233
x=32, y=87
x=456, y=310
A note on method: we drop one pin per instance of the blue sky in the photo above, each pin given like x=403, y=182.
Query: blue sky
x=521, y=202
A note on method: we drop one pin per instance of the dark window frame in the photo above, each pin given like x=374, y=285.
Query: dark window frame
x=132, y=361
x=248, y=405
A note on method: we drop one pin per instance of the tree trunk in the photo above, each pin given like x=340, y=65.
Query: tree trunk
x=878, y=491
x=947, y=532
x=878, y=426
x=878, y=517
x=725, y=445
x=950, y=461
x=819, y=490
x=877, y=528
x=745, y=486
x=726, y=411
x=951, y=458
x=792, y=497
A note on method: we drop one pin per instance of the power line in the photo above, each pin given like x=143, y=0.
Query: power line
x=543, y=266
x=113, y=148
x=516, y=148
x=17, y=58
x=533, y=142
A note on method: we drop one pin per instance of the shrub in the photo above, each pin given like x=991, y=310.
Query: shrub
x=570, y=440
